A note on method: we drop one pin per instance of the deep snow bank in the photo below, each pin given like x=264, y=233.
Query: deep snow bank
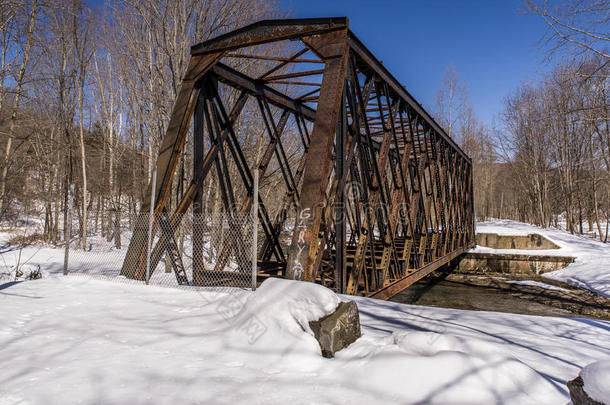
x=596, y=379
x=471, y=369
x=288, y=305
x=428, y=367
x=69, y=339
x=278, y=313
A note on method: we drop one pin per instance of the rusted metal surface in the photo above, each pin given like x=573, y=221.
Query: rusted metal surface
x=392, y=289
x=170, y=150
x=270, y=31
x=376, y=196
x=305, y=247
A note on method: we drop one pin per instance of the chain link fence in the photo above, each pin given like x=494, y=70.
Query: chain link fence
x=186, y=251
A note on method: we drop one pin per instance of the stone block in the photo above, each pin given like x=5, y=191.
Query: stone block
x=578, y=395
x=337, y=330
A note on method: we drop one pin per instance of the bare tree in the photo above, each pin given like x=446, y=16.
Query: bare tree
x=576, y=26
x=83, y=51
x=15, y=109
x=451, y=101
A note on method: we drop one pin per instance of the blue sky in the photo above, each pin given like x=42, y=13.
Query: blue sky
x=493, y=45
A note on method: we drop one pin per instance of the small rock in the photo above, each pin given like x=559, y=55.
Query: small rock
x=578, y=395
x=337, y=330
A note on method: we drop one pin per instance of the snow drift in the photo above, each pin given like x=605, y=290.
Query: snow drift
x=596, y=379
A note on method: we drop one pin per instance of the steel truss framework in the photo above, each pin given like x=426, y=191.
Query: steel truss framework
x=381, y=195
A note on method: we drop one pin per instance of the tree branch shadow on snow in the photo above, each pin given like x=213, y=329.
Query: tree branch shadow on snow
x=9, y=284
x=153, y=335
x=594, y=322
x=113, y=361
x=500, y=396
x=7, y=248
x=558, y=383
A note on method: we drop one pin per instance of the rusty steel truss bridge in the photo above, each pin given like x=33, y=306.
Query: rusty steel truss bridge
x=373, y=194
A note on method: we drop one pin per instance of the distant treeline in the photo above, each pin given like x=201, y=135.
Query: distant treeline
x=86, y=93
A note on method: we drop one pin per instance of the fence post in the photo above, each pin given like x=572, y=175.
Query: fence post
x=150, y=223
x=68, y=230
x=255, y=227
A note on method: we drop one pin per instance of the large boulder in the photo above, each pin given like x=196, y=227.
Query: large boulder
x=578, y=395
x=338, y=329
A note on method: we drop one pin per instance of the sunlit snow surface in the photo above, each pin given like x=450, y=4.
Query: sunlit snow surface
x=596, y=378
x=78, y=340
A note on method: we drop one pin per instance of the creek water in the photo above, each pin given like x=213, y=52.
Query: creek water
x=452, y=294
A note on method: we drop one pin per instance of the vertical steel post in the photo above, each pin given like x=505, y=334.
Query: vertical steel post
x=198, y=158
x=150, y=223
x=340, y=199
x=255, y=227
x=68, y=231
x=255, y=214
x=305, y=247
x=473, y=238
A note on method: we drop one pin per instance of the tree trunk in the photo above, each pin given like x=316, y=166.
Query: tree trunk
x=83, y=167
x=19, y=85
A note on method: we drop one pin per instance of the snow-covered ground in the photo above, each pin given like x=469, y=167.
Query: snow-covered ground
x=591, y=267
x=78, y=340
x=101, y=259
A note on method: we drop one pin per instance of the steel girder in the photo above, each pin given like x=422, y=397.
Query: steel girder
x=378, y=194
